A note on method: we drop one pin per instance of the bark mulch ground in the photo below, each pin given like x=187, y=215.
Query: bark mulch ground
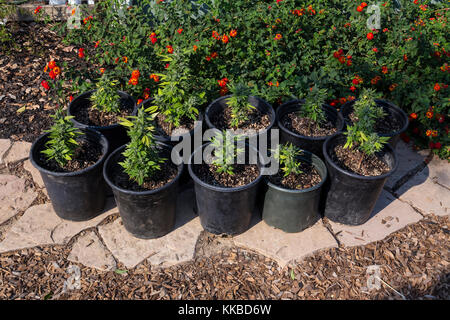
x=21, y=72
x=414, y=264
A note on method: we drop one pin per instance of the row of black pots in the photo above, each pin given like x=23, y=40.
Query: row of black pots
x=222, y=210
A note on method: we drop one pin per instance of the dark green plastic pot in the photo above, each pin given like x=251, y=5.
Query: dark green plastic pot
x=294, y=210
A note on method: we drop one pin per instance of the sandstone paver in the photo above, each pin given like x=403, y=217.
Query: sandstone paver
x=41, y=226
x=4, y=146
x=424, y=194
x=285, y=247
x=407, y=161
x=391, y=215
x=13, y=196
x=176, y=247
x=37, y=178
x=90, y=251
x=439, y=171
x=20, y=150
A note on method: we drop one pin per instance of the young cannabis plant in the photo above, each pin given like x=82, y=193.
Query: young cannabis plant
x=142, y=159
x=61, y=144
x=178, y=96
x=226, y=151
x=362, y=133
x=287, y=156
x=312, y=108
x=238, y=102
x=106, y=98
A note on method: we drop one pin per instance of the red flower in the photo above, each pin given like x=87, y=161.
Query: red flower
x=233, y=33
x=355, y=81
x=429, y=114
x=413, y=116
x=384, y=69
x=169, y=49
x=441, y=118
x=44, y=83
x=153, y=38
x=437, y=87
x=375, y=49
x=342, y=60
x=359, y=9
x=52, y=75
x=215, y=35
x=37, y=10
x=52, y=64
x=70, y=98
x=405, y=57
x=133, y=81
x=139, y=101
x=353, y=88
x=180, y=31
x=370, y=36
x=81, y=52
x=195, y=48
x=363, y=4
x=278, y=36
x=336, y=54
x=438, y=145
x=225, y=39
x=223, y=82
x=214, y=55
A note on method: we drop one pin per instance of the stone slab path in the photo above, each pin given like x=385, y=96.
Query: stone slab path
x=417, y=189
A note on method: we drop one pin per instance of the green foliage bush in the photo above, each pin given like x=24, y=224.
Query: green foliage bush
x=286, y=47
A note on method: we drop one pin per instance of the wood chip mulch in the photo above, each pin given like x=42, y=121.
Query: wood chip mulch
x=21, y=72
x=414, y=264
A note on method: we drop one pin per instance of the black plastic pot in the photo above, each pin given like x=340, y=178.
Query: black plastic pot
x=294, y=210
x=352, y=197
x=221, y=103
x=224, y=210
x=392, y=110
x=116, y=134
x=145, y=214
x=312, y=144
x=76, y=196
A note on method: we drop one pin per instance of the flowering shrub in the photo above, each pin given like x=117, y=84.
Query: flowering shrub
x=285, y=47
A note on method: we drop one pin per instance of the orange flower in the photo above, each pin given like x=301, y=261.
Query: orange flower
x=169, y=49
x=214, y=55
x=56, y=70
x=154, y=77
x=393, y=86
x=384, y=69
x=225, y=39
x=413, y=115
x=102, y=70
x=437, y=87
x=434, y=133
x=135, y=74
x=429, y=133
x=195, y=48
x=278, y=36
x=233, y=33
x=133, y=81
x=429, y=114
x=124, y=59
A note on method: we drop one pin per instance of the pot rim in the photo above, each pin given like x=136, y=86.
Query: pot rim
x=137, y=193
x=387, y=148
x=103, y=142
x=82, y=125
x=261, y=132
x=313, y=188
x=302, y=101
x=389, y=104
x=222, y=189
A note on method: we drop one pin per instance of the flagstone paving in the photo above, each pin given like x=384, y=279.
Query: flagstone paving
x=415, y=190
x=390, y=215
x=5, y=144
